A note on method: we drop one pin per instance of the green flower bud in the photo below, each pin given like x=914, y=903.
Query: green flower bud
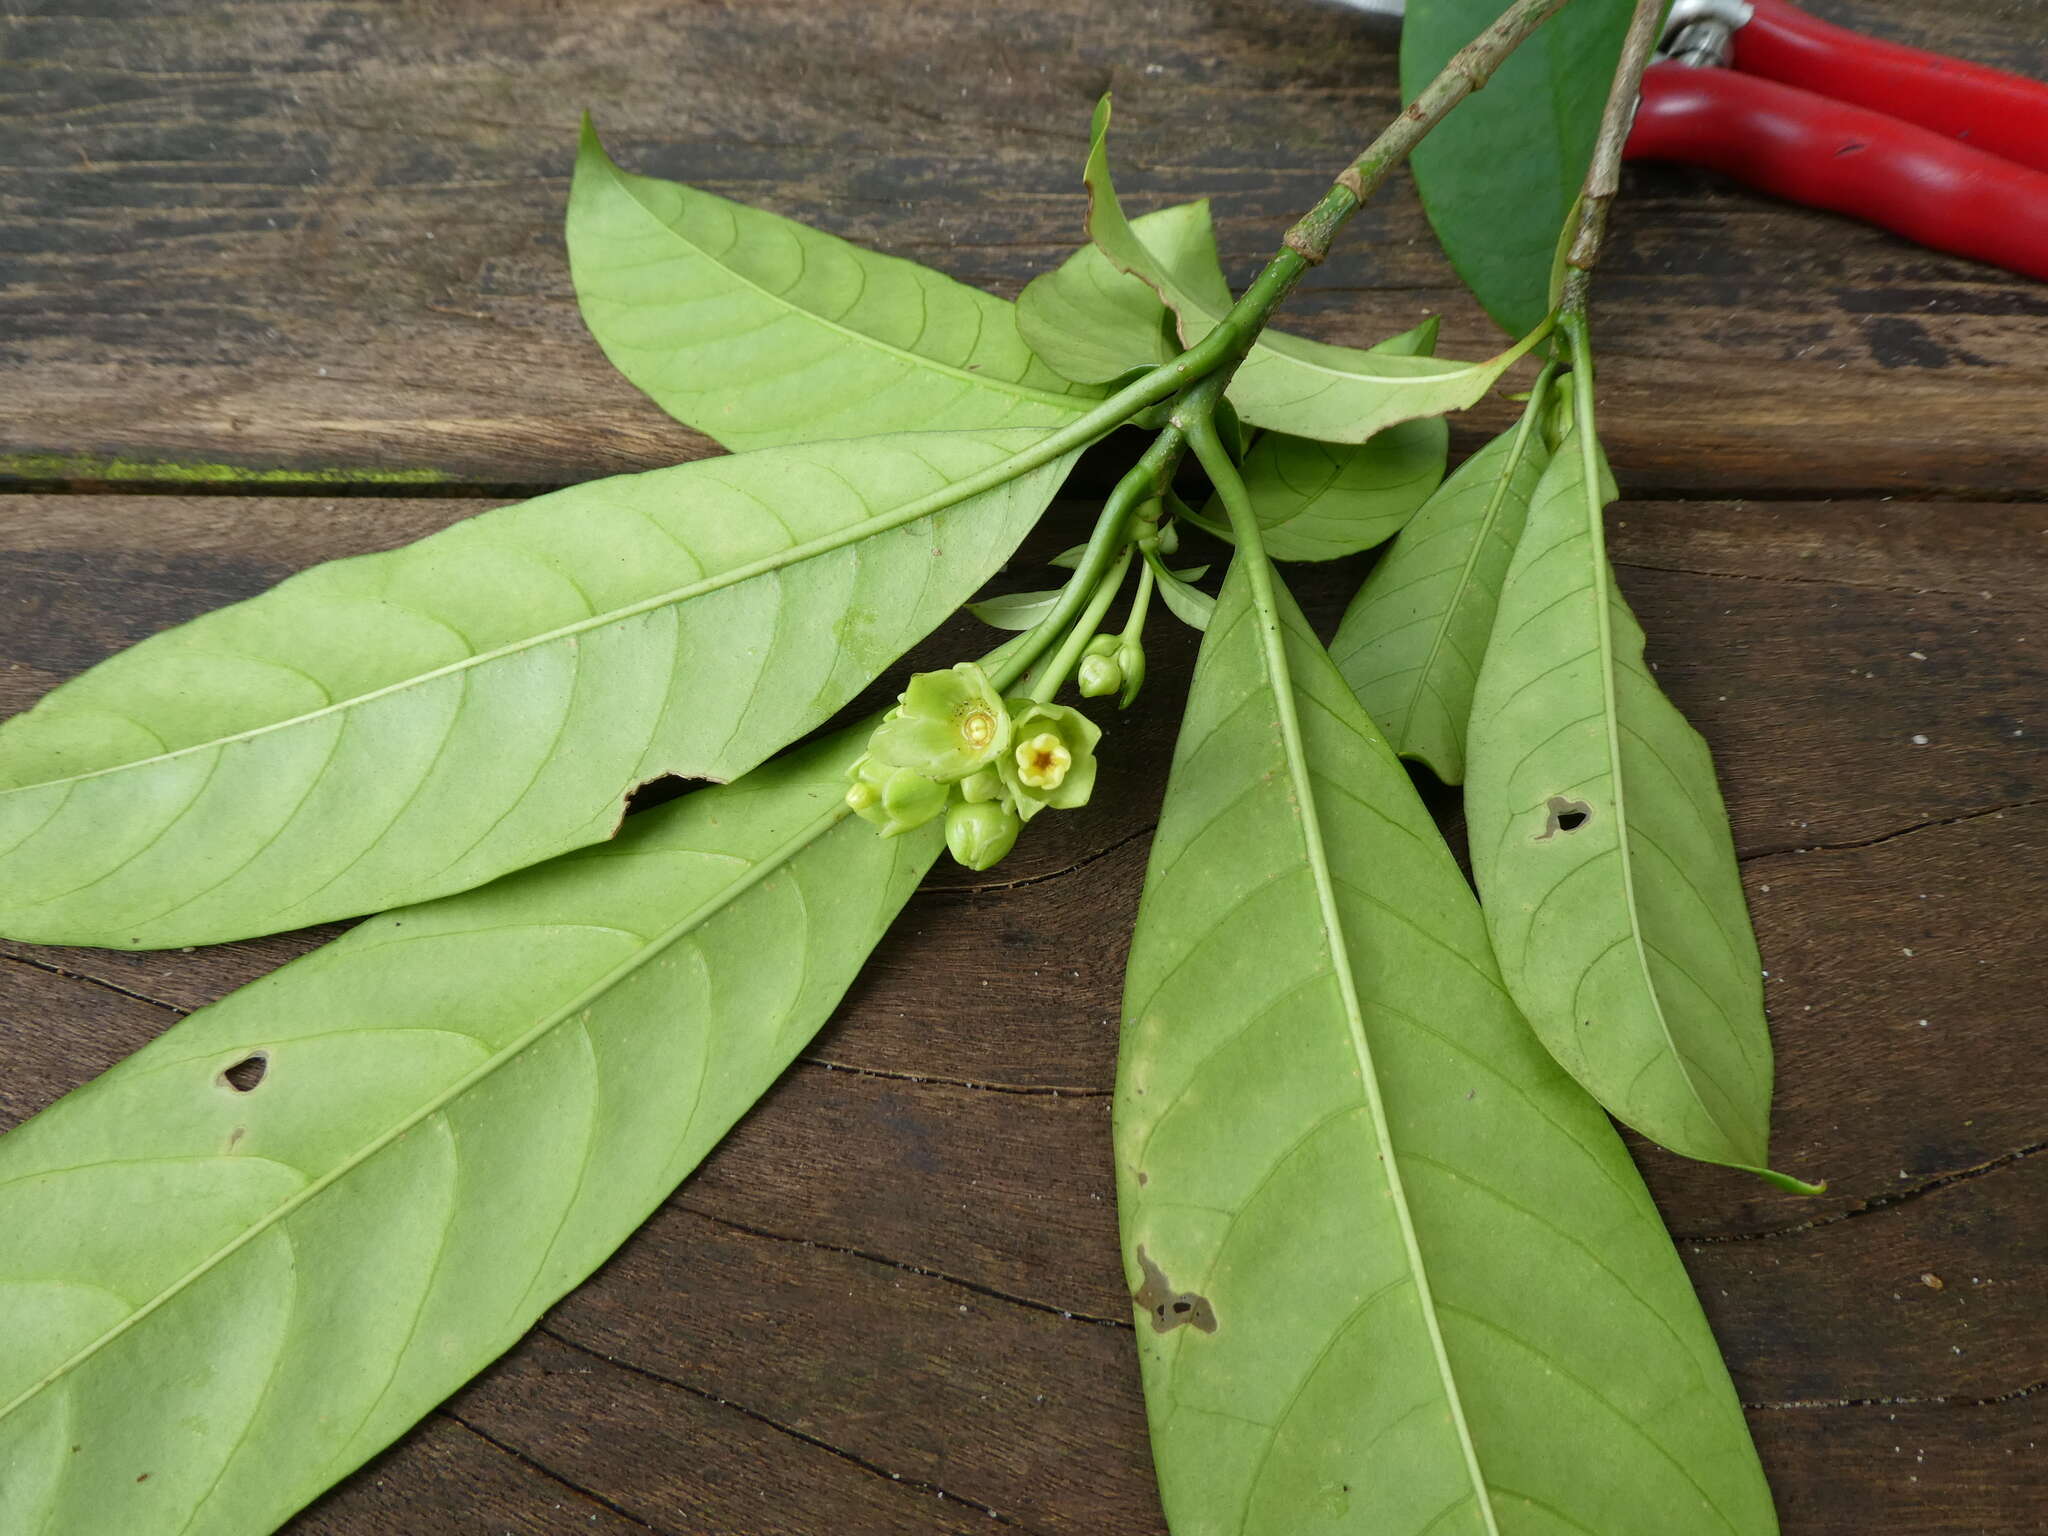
x=1099, y=675
x=1051, y=761
x=1169, y=538
x=949, y=724
x=979, y=833
x=897, y=800
x=1130, y=661
x=986, y=784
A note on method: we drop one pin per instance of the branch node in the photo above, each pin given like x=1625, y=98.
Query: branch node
x=1304, y=246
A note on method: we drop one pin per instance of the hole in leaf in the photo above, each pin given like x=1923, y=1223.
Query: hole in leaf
x=1565, y=816
x=245, y=1074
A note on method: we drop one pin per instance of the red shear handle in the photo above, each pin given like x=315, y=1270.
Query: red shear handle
x=2005, y=115
x=1809, y=149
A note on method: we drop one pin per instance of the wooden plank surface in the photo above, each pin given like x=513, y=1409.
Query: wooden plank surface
x=309, y=247
x=308, y=240
x=891, y=1302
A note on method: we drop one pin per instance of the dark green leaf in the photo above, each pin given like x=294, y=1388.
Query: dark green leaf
x=1413, y=638
x=214, y=1303
x=1601, y=848
x=403, y=725
x=1499, y=210
x=1393, y=1272
x=759, y=330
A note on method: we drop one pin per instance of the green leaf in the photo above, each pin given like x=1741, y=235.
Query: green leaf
x=1393, y=1271
x=759, y=330
x=1322, y=501
x=1288, y=383
x=1095, y=322
x=1411, y=642
x=1015, y=610
x=1601, y=848
x=1190, y=604
x=213, y=1303
x=1497, y=214
x=403, y=725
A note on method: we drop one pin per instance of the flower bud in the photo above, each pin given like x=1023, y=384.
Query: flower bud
x=987, y=784
x=1099, y=675
x=979, y=833
x=897, y=800
x=1130, y=662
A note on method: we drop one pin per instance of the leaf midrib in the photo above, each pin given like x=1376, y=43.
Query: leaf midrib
x=864, y=338
x=1273, y=649
x=654, y=947
x=924, y=506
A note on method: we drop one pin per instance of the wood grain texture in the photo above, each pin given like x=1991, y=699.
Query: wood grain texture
x=320, y=241
x=307, y=245
x=891, y=1301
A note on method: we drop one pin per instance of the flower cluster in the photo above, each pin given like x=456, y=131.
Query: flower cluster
x=954, y=745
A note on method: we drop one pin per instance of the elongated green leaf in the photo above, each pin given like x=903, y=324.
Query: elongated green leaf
x=759, y=330
x=1394, y=1273
x=1322, y=501
x=1499, y=214
x=1288, y=383
x=1095, y=322
x=215, y=1303
x=400, y=726
x=1601, y=848
x=1412, y=640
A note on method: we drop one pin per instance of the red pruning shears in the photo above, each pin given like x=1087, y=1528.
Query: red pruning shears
x=1950, y=154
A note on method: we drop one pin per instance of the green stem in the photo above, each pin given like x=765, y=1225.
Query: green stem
x=1141, y=601
x=1603, y=172
x=1052, y=674
x=1468, y=70
x=1144, y=481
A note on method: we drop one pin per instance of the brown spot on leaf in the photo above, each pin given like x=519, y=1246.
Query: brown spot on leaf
x=1170, y=1308
x=1565, y=816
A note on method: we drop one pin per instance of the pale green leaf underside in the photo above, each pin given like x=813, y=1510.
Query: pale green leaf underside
x=1095, y=322
x=1289, y=383
x=759, y=330
x=1322, y=501
x=1626, y=940
x=1441, y=1299
x=400, y=726
x=214, y=1304
x=1411, y=642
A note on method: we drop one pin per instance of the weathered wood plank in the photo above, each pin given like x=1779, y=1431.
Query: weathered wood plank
x=310, y=239
x=784, y=1342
